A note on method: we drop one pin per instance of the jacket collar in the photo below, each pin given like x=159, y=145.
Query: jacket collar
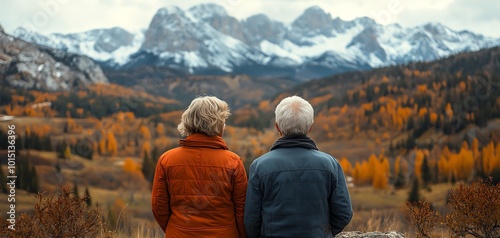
x=292, y=141
x=202, y=140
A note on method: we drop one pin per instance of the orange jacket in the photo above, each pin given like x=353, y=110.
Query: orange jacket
x=199, y=189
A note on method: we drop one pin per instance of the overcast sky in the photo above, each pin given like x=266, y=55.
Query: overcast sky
x=65, y=16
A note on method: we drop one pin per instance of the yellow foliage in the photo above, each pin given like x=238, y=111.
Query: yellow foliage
x=449, y=110
x=433, y=117
x=346, y=166
x=422, y=112
x=131, y=166
x=264, y=106
x=422, y=88
x=145, y=132
x=146, y=147
x=344, y=108
x=111, y=144
x=160, y=129
x=462, y=86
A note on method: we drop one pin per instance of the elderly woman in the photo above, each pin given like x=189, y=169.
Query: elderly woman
x=199, y=187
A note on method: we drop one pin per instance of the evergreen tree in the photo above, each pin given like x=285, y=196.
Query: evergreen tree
x=88, y=199
x=400, y=179
x=111, y=219
x=33, y=187
x=58, y=167
x=410, y=143
x=22, y=174
x=60, y=149
x=67, y=153
x=453, y=178
x=495, y=176
x=75, y=190
x=426, y=172
x=46, y=144
x=410, y=125
x=154, y=154
x=438, y=123
x=414, y=195
x=148, y=167
x=3, y=185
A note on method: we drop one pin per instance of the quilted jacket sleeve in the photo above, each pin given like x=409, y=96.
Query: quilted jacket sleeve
x=160, y=198
x=239, y=193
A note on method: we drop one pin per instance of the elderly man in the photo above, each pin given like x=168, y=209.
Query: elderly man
x=295, y=190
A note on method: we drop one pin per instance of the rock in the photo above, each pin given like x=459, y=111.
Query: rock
x=1, y=28
x=375, y=234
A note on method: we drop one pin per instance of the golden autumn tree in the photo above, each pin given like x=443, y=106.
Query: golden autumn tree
x=111, y=144
x=443, y=168
x=160, y=130
x=419, y=159
x=380, y=178
x=346, y=166
x=144, y=130
x=397, y=165
x=102, y=146
x=366, y=170
x=146, y=147
x=131, y=166
x=372, y=167
x=465, y=164
x=356, y=175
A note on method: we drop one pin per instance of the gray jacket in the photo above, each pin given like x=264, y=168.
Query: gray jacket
x=295, y=190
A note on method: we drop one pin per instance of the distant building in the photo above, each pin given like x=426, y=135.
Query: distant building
x=42, y=104
x=350, y=182
x=6, y=118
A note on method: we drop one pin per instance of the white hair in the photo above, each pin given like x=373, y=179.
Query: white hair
x=294, y=116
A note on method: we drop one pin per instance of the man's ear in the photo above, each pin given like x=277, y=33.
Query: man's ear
x=310, y=128
x=278, y=128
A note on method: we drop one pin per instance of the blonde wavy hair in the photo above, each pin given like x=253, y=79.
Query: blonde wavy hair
x=205, y=114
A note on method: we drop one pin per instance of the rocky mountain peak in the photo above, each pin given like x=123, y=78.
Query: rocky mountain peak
x=435, y=29
x=1, y=28
x=314, y=19
x=207, y=10
x=365, y=21
x=170, y=30
x=216, y=16
x=170, y=10
x=109, y=40
x=259, y=27
x=313, y=22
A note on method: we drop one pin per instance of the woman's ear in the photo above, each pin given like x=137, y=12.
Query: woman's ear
x=223, y=129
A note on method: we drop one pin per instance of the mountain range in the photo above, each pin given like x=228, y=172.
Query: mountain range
x=205, y=39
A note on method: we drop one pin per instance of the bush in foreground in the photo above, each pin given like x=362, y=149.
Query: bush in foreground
x=63, y=216
x=475, y=211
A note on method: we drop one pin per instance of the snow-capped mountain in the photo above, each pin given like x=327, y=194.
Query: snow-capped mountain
x=206, y=39
x=114, y=45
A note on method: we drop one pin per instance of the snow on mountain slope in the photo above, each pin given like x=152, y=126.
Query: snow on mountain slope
x=113, y=45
